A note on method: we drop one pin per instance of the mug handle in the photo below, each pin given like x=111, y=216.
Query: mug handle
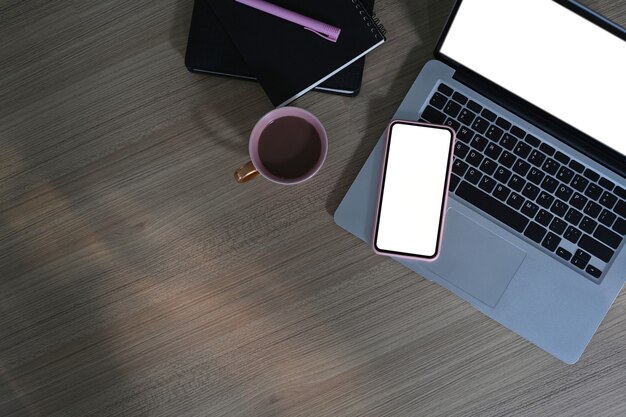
x=246, y=173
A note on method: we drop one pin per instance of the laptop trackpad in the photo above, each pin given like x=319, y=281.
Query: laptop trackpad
x=475, y=259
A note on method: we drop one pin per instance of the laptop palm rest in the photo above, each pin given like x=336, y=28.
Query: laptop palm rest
x=463, y=262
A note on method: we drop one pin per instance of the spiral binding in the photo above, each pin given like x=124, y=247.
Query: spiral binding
x=379, y=24
x=371, y=20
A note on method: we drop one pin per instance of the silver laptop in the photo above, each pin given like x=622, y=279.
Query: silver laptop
x=535, y=225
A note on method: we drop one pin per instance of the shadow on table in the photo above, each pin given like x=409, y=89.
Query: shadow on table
x=61, y=348
x=180, y=25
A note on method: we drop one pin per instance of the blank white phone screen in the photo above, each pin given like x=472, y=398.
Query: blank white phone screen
x=413, y=190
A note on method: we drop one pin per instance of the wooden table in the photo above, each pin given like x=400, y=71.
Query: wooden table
x=137, y=278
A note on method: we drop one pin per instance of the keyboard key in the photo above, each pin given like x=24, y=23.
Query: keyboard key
x=517, y=183
x=559, y=208
x=577, y=166
x=583, y=255
x=452, y=109
x=588, y=225
x=473, y=175
x=453, y=124
x=620, y=208
x=489, y=115
x=558, y=226
x=565, y=175
x=579, y=183
x=487, y=184
x=454, y=182
x=459, y=97
x=516, y=131
x=573, y=216
x=544, y=218
x=608, y=200
x=522, y=149
x=443, y=88
x=551, y=241
x=493, y=151
x=479, y=143
x=535, y=232
x=465, y=134
x=531, y=140
x=494, y=133
x=572, y=234
x=460, y=149
x=491, y=206
x=504, y=124
x=551, y=166
x=467, y=117
x=607, y=218
x=549, y=184
x=606, y=236
x=592, y=209
x=515, y=200
x=502, y=174
x=597, y=249
x=564, y=192
x=459, y=167
x=561, y=157
x=620, y=192
x=488, y=166
x=606, y=183
x=438, y=100
x=592, y=175
x=576, y=261
x=535, y=176
x=501, y=192
x=547, y=149
x=620, y=226
x=578, y=201
x=480, y=125
x=530, y=209
x=521, y=167
x=508, y=142
x=507, y=159
x=564, y=254
x=545, y=200
x=530, y=191
x=593, y=191
x=474, y=158
x=593, y=271
x=475, y=107
x=433, y=115
x=536, y=158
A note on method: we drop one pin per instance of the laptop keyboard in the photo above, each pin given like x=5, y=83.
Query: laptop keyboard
x=550, y=199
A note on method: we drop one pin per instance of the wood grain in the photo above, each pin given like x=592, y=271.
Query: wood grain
x=137, y=278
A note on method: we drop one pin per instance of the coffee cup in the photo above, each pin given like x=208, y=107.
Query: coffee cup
x=287, y=146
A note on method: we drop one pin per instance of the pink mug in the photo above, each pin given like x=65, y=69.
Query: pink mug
x=287, y=146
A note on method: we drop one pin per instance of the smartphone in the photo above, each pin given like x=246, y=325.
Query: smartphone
x=413, y=190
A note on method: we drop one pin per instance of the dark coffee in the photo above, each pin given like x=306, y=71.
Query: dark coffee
x=289, y=147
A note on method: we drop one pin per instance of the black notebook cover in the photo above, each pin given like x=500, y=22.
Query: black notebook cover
x=210, y=50
x=288, y=60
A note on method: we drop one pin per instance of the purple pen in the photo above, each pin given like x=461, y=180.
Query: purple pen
x=326, y=31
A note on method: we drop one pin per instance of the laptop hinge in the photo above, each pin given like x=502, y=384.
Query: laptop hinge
x=544, y=121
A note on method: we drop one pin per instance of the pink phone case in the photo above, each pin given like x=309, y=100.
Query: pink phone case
x=380, y=186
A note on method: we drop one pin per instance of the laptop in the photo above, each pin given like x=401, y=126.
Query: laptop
x=536, y=218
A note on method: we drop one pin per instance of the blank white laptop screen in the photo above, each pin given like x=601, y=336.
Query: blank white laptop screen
x=549, y=56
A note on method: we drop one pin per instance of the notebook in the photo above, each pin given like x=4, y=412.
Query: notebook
x=289, y=60
x=210, y=51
